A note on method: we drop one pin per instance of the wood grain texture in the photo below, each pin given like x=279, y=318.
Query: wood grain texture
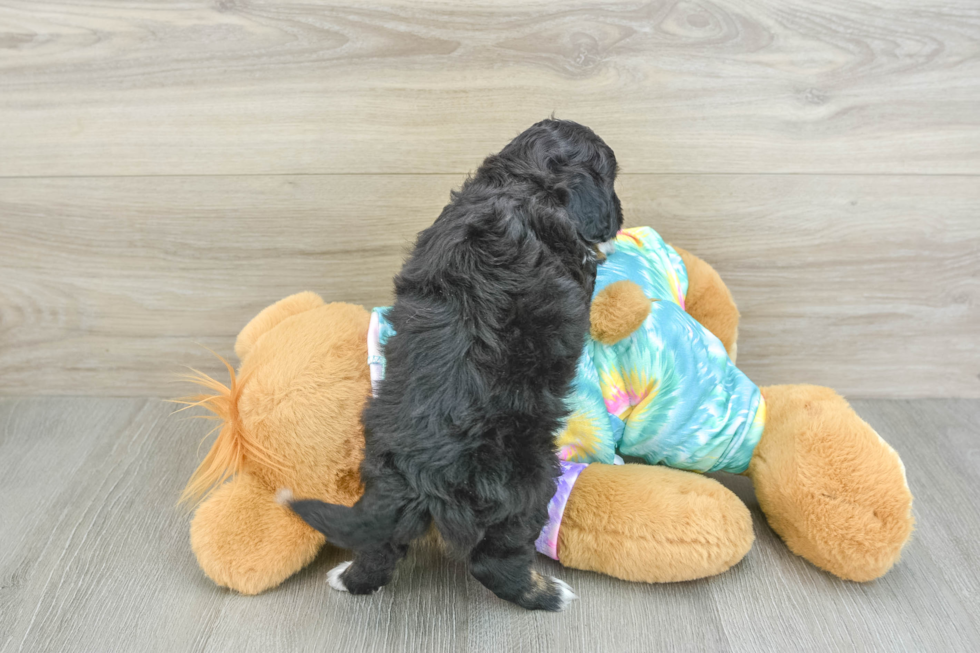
x=257, y=86
x=868, y=284
x=95, y=557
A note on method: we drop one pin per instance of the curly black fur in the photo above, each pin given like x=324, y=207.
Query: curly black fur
x=491, y=313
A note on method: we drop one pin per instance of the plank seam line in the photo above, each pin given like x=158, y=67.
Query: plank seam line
x=457, y=174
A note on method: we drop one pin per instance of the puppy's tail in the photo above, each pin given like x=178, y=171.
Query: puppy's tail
x=348, y=528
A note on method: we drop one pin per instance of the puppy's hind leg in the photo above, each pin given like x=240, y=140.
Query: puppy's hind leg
x=371, y=569
x=502, y=562
x=375, y=560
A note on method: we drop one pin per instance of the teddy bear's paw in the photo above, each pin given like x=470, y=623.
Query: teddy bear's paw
x=334, y=579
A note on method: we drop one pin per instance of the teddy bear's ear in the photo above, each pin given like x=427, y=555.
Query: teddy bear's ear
x=271, y=316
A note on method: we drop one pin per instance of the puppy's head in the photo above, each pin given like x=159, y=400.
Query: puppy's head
x=578, y=168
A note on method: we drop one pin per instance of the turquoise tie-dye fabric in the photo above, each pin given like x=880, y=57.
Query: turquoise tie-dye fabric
x=667, y=393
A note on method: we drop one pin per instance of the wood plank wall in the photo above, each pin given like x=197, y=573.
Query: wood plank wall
x=169, y=168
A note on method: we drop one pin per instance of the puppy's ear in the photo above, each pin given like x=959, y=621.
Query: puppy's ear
x=593, y=209
x=558, y=231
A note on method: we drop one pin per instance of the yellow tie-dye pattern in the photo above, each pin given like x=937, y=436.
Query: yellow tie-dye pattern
x=628, y=393
x=760, y=414
x=675, y=288
x=580, y=440
x=615, y=391
x=639, y=410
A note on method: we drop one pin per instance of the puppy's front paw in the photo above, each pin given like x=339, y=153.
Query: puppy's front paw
x=565, y=594
x=334, y=579
x=546, y=593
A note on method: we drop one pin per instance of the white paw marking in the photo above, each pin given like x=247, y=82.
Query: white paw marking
x=567, y=595
x=333, y=576
x=608, y=247
x=283, y=496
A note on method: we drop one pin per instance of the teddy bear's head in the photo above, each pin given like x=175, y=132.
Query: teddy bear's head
x=291, y=415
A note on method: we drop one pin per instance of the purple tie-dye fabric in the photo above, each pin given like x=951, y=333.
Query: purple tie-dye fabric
x=547, y=542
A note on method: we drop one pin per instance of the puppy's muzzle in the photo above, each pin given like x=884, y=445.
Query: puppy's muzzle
x=604, y=249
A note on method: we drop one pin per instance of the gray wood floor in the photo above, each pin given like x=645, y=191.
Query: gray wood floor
x=95, y=557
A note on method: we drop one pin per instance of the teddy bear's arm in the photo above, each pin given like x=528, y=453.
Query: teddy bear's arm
x=617, y=311
x=709, y=301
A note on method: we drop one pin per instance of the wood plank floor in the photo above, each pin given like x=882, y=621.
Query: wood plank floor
x=95, y=557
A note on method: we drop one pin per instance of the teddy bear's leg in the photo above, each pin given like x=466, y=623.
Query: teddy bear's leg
x=829, y=485
x=652, y=524
x=709, y=302
x=245, y=540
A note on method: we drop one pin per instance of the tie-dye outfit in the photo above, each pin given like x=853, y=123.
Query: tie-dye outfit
x=667, y=393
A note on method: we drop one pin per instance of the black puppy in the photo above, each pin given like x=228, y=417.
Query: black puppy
x=491, y=312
